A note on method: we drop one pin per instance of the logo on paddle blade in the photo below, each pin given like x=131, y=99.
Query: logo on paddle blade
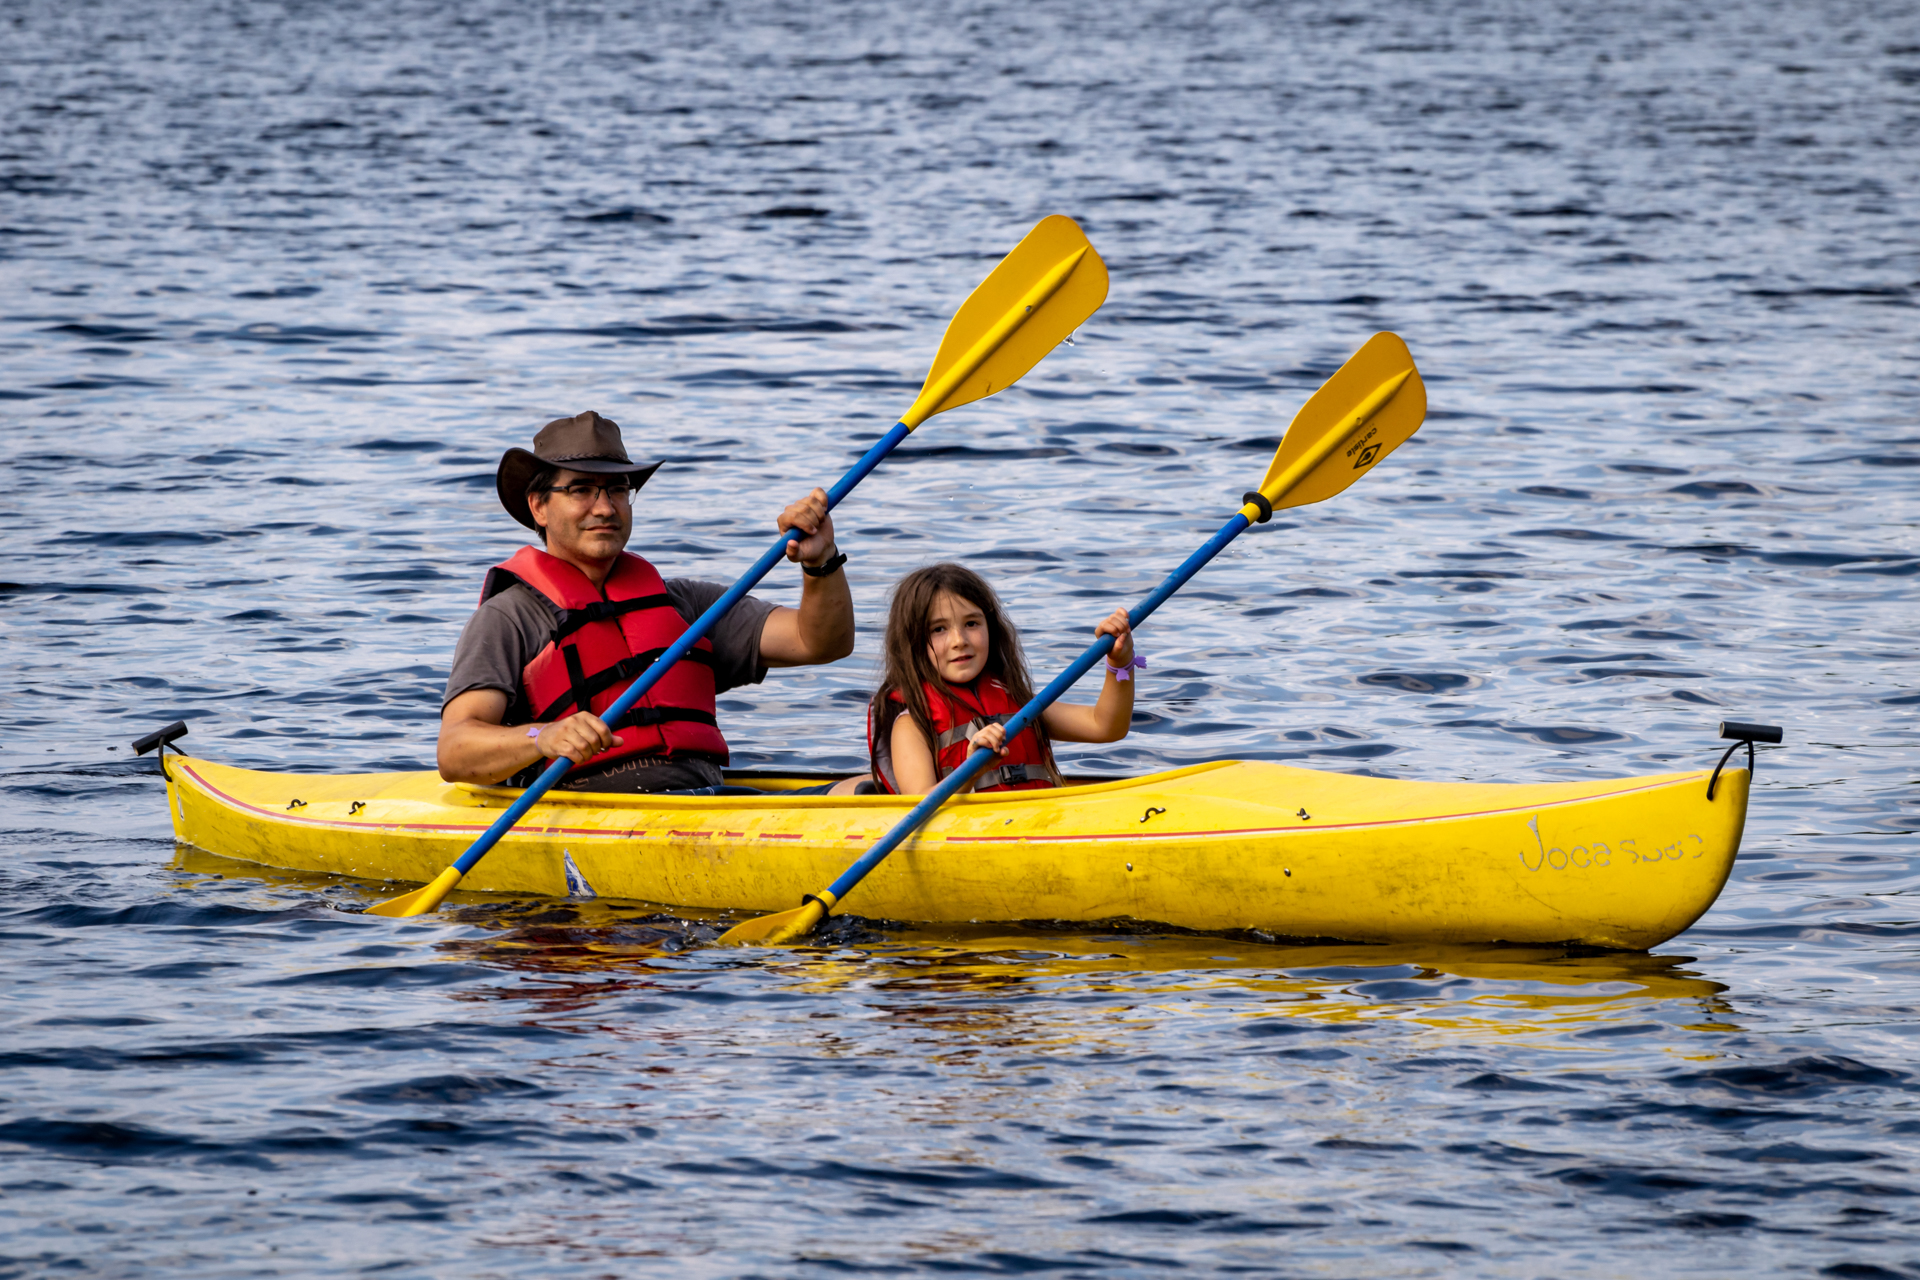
x=1367, y=455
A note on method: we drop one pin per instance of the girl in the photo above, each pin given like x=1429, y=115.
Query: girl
x=954, y=676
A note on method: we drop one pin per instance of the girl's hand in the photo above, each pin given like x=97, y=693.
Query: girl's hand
x=1117, y=625
x=993, y=738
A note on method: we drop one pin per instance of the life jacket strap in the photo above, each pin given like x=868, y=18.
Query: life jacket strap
x=571, y=620
x=582, y=695
x=585, y=690
x=660, y=715
x=1008, y=775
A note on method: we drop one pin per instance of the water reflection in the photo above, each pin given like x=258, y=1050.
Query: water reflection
x=570, y=954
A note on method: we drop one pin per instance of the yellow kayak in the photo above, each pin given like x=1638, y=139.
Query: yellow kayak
x=1626, y=862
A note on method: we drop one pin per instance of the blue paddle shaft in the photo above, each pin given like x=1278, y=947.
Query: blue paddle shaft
x=677, y=650
x=982, y=757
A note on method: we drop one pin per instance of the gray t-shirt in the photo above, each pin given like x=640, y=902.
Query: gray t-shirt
x=512, y=627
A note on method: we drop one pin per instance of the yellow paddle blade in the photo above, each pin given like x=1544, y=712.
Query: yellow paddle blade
x=781, y=928
x=1365, y=411
x=1038, y=295
x=420, y=901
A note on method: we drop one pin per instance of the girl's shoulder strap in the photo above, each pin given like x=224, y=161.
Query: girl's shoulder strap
x=880, y=739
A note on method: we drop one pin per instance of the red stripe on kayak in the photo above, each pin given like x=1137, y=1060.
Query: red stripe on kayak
x=342, y=823
x=1324, y=826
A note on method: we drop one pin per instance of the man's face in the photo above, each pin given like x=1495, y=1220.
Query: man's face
x=594, y=527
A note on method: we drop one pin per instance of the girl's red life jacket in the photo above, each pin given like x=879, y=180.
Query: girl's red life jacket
x=607, y=636
x=959, y=712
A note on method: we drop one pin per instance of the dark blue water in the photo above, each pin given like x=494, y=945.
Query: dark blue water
x=280, y=281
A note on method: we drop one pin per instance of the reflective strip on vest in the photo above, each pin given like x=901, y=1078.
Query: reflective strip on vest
x=966, y=731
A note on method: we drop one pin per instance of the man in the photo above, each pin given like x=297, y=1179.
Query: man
x=562, y=631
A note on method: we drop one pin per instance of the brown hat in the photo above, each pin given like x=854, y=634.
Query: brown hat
x=584, y=442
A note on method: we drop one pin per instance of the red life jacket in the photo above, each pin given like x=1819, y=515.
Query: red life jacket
x=607, y=636
x=959, y=712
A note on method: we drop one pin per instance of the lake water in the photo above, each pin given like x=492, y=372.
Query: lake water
x=281, y=281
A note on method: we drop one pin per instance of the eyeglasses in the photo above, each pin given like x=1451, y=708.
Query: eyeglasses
x=584, y=490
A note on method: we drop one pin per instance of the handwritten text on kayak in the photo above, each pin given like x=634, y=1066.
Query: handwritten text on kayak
x=1600, y=854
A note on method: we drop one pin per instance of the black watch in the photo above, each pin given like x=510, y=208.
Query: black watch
x=828, y=569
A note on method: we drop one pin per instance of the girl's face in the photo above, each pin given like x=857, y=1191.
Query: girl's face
x=957, y=639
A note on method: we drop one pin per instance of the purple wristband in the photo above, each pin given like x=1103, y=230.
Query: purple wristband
x=1139, y=663
x=533, y=731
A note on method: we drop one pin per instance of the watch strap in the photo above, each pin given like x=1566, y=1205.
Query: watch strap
x=825, y=570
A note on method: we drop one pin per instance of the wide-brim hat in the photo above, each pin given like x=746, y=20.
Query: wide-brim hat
x=584, y=442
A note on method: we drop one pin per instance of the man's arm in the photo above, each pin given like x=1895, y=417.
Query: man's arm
x=476, y=747
x=821, y=629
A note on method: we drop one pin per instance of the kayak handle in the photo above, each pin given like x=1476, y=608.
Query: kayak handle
x=1742, y=734
x=160, y=738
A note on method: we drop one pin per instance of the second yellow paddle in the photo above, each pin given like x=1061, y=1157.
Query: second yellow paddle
x=1360, y=415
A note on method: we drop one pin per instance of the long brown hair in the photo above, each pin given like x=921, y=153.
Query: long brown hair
x=907, y=669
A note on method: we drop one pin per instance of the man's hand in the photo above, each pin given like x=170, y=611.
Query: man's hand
x=579, y=738
x=809, y=516
x=476, y=747
x=821, y=629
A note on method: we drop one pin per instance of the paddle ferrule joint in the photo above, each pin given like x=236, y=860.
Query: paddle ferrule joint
x=1258, y=501
x=824, y=898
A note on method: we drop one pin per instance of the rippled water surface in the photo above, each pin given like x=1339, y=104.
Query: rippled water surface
x=280, y=281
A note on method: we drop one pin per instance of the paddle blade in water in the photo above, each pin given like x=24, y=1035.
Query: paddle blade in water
x=420, y=901
x=1038, y=295
x=779, y=929
x=1365, y=411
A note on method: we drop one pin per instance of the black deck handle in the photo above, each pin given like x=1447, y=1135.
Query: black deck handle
x=1743, y=735
x=160, y=738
